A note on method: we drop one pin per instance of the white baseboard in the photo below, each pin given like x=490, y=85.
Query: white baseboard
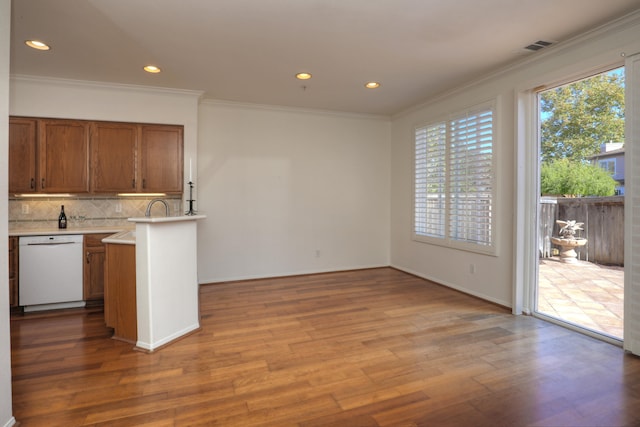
x=361, y=267
x=497, y=301
x=166, y=340
x=286, y=274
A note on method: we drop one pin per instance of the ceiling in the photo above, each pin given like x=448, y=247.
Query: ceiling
x=250, y=50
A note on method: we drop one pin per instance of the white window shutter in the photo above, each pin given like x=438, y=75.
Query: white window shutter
x=471, y=177
x=430, y=181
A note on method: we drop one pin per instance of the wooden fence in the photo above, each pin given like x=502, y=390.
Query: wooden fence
x=603, y=219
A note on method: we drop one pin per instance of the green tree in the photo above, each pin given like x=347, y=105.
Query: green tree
x=578, y=117
x=563, y=177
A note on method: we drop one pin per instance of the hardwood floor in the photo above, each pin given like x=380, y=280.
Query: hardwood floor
x=365, y=348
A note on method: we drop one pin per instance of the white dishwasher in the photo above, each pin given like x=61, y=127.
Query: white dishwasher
x=50, y=272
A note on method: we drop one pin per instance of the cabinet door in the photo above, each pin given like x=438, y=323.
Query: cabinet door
x=22, y=155
x=120, y=311
x=13, y=271
x=161, y=159
x=93, y=271
x=113, y=157
x=63, y=150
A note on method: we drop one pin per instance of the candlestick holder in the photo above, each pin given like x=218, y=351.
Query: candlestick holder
x=191, y=211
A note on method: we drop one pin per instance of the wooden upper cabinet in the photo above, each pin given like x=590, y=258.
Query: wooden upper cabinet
x=22, y=155
x=113, y=157
x=63, y=156
x=79, y=156
x=161, y=159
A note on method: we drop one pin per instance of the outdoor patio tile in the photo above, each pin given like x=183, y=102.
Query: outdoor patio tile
x=585, y=294
x=603, y=297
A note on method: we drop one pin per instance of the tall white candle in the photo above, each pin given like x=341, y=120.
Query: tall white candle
x=190, y=171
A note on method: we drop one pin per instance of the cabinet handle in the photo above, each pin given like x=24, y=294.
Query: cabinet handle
x=42, y=183
x=87, y=256
x=33, y=184
x=133, y=183
x=144, y=183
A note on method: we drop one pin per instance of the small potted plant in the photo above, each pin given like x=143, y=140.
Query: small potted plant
x=568, y=228
x=568, y=241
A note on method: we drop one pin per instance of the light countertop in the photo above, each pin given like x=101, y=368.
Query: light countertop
x=71, y=230
x=121, y=230
x=154, y=219
x=127, y=237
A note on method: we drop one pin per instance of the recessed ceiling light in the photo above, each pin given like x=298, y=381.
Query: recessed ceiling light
x=372, y=85
x=36, y=44
x=152, y=69
x=303, y=76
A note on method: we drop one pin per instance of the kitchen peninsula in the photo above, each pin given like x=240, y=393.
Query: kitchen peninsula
x=166, y=283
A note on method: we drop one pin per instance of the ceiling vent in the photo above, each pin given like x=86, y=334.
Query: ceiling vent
x=538, y=45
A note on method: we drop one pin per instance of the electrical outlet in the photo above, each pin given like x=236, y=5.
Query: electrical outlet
x=317, y=253
x=25, y=208
x=472, y=268
x=118, y=207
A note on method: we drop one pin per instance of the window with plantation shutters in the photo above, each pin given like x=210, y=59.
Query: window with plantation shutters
x=454, y=181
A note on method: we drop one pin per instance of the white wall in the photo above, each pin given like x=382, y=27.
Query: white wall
x=70, y=99
x=6, y=417
x=448, y=266
x=494, y=277
x=278, y=184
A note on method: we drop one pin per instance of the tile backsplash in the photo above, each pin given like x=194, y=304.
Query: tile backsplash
x=42, y=212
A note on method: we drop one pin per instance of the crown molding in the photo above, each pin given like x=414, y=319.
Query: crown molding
x=288, y=109
x=104, y=85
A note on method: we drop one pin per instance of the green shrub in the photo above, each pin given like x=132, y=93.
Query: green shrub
x=563, y=177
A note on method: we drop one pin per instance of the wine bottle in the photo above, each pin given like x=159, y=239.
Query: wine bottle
x=62, y=219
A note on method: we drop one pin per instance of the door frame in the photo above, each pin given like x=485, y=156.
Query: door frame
x=527, y=175
x=631, y=341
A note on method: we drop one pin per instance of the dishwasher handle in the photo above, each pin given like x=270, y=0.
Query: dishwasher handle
x=51, y=243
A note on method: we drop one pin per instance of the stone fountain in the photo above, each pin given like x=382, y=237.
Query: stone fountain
x=568, y=241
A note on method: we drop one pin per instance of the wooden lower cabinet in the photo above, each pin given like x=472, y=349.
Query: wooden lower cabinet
x=120, y=291
x=93, y=269
x=13, y=271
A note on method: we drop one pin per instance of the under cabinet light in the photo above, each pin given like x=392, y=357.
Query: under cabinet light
x=44, y=195
x=141, y=194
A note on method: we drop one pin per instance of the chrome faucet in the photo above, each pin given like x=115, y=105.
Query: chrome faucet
x=166, y=207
